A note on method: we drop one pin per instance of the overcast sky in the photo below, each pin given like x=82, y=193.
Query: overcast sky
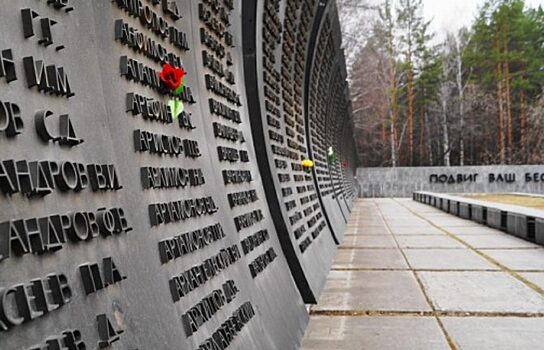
x=453, y=14
x=446, y=15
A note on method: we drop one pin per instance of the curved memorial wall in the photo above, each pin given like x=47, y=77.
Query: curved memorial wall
x=134, y=219
x=329, y=121
x=297, y=114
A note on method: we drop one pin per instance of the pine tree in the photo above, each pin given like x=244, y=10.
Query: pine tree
x=478, y=100
x=517, y=59
x=413, y=37
x=386, y=32
x=427, y=87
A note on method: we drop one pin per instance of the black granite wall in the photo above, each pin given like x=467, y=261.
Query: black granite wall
x=122, y=226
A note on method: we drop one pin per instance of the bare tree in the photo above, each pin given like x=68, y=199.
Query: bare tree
x=356, y=22
x=461, y=94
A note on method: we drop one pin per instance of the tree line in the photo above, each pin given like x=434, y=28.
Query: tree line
x=474, y=98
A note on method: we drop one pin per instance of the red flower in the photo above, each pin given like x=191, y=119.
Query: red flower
x=172, y=77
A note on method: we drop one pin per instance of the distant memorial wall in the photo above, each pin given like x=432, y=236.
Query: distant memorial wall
x=404, y=181
x=125, y=226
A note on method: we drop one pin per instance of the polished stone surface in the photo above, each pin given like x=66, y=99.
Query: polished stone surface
x=392, y=298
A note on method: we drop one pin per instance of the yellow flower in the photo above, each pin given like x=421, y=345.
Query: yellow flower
x=307, y=163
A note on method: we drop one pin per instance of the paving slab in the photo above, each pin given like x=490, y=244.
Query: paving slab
x=500, y=240
x=372, y=290
x=419, y=207
x=507, y=333
x=535, y=277
x=386, y=333
x=519, y=259
x=370, y=225
x=405, y=222
x=369, y=241
x=373, y=230
x=354, y=227
x=396, y=212
x=447, y=223
x=473, y=230
x=416, y=230
x=437, y=214
x=367, y=220
x=428, y=242
x=369, y=259
x=447, y=259
x=408, y=202
x=448, y=220
x=371, y=275
x=480, y=292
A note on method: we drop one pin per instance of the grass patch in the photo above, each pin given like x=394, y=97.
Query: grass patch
x=524, y=201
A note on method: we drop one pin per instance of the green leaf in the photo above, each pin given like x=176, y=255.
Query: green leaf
x=331, y=155
x=179, y=90
x=176, y=106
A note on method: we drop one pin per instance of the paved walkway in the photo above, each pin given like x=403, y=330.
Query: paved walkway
x=409, y=276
